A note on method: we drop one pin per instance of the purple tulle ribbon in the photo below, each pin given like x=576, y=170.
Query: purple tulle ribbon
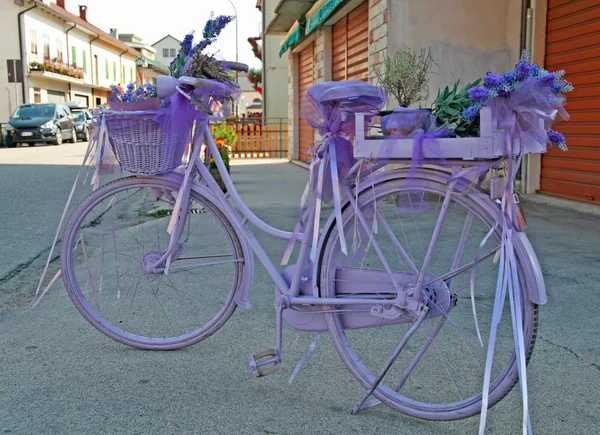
x=329, y=108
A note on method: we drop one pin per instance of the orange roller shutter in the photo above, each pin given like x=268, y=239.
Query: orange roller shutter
x=573, y=44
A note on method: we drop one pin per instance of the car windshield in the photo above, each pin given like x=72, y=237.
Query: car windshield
x=78, y=116
x=36, y=111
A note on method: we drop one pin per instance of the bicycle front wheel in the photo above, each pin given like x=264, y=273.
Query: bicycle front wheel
x=439, y=374
x=114, y=237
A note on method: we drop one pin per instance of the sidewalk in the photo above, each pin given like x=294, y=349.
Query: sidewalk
x=59, y=375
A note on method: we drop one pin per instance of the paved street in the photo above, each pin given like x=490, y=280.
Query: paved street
x=59, y=375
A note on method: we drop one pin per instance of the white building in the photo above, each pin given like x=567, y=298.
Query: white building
x=166, y=49
x=250, y=100
x=63, y=57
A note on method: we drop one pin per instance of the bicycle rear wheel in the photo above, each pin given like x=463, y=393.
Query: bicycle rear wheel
x=446, y=382
x=120, y=229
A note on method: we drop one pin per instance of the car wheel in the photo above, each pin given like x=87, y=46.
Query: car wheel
x=73, y=136
x=86, y=135
x=11, y=144
x=58, y=139
x=30, y=144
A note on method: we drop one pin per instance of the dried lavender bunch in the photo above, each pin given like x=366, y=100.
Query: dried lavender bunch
x=207, y=67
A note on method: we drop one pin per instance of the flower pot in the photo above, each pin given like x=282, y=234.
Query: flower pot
x=217, y=176
x=404, y=122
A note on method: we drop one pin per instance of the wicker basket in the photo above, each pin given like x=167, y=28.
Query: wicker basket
x=141, y=146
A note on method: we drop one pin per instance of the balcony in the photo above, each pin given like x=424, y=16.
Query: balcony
x=56, y=70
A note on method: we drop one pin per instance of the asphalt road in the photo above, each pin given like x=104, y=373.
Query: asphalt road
x=59, y=375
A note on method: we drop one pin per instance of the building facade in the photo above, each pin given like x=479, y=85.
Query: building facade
x=166, y=49
x=62, y=56
x=275, y=67
x=467, y=38
x=148, y=68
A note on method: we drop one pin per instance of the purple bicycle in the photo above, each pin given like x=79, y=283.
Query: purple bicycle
x=402, y=274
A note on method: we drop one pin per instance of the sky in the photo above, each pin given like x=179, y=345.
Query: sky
x=154, y=19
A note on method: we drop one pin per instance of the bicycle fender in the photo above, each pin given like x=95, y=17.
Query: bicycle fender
x=536, y=294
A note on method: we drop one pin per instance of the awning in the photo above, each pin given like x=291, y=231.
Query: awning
x=319, y=13
x=286, y=12
x=292, y=38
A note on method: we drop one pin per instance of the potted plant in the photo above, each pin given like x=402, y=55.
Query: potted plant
x=405, y=77
x=224, y=136
x=449, y=106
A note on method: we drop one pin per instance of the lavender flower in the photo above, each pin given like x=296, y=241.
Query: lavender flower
x=186, y=44
x=492, y=80
x=509, y=76
x=470, y=113
x=523, y=70
x=478, y=94
x=557, y=138
x=548, y=79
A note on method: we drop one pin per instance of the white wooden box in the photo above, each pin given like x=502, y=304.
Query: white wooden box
x=491, y=143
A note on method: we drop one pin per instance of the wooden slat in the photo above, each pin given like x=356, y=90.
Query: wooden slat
x=568, y=190
x=564, y=21
x=571, y=164
x=565, y=46
x=575, y=176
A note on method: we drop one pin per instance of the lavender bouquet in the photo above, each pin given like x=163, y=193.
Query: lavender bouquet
x=212, y=29
x=552, y=85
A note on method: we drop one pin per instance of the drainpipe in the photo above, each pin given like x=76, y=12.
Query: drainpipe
x=92, y=59
x=121, y=65
x=69, y=53
x=24, y=67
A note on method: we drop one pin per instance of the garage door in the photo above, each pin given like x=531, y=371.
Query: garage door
x=305, y=81
x=55, y=96
x=573, y=44
x=350, y=45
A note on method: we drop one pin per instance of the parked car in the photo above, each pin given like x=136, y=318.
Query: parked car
x=83, y=124
x=41, y=123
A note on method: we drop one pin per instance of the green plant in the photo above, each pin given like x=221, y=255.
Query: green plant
x=227, y=133
x=405, y=75
x=448, y=108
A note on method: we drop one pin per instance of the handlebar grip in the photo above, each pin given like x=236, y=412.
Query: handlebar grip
x=235, y=66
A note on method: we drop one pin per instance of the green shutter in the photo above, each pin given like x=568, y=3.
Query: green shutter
x=115, y=71
x=84, y=60
x=106, y=64
x=131, y=75
x=73, y=56
x=123, y=78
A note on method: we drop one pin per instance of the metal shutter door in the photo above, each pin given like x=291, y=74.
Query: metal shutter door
x=573, y=44
x=350, y=46
x=305, y=80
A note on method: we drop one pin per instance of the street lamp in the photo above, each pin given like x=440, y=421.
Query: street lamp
x=236, y=49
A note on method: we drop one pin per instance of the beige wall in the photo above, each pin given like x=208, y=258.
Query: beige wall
x=275, y=78
x=467, y=37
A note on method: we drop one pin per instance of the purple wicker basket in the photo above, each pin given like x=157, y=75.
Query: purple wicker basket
x=141, y=146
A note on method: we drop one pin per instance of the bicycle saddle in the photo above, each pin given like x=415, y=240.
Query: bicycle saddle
x=346, y=91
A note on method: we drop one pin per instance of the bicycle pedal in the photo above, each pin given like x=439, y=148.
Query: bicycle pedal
x=264, y=363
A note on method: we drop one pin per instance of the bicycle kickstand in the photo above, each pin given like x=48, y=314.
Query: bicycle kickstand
x=269, y=361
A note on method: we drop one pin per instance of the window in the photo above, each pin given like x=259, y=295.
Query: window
x=165, y=52
x=59, y=50
x=84, y=60
x=173, y=52
x=114, y=71
x=33, y=42
x=123, y=78
x=46, y=40
x=131, y=74
x=73, y=56
x=106, y=65
x=37, y=95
